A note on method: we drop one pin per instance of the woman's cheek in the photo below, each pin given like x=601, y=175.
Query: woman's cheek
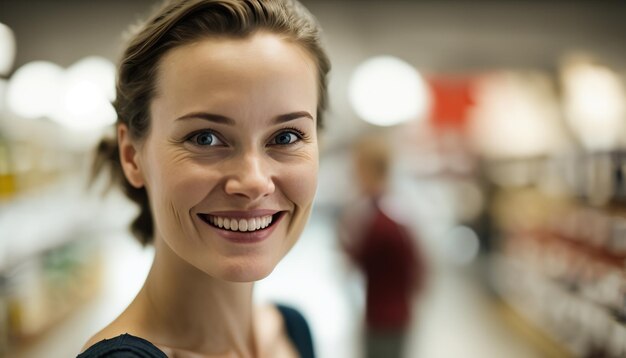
x=177, y=178
x=191, y=184
x=301, y=183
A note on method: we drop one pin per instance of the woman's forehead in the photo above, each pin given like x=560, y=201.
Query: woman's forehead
x=260, y=71
x=227, y=59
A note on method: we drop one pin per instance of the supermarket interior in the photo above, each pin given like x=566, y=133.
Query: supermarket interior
x=506, y=124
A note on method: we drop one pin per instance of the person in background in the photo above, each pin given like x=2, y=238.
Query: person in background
x=219, y=104
x=382, y=248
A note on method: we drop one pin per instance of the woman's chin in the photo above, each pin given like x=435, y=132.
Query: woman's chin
x=249, y=272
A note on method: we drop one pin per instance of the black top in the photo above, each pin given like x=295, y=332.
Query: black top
x=127, y=346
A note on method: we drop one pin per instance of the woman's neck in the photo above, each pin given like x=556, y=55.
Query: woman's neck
x=184, y=308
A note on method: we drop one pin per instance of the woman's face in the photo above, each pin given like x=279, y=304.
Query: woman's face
x=230, y=163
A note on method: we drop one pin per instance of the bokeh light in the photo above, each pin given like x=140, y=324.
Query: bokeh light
x=594, y=104
x=386, y=90
x=34, y=90
x=88, y=88
x=7, y=49
x=78, y=98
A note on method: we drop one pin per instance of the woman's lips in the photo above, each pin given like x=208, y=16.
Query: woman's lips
x=241, y=214
x=236, y=228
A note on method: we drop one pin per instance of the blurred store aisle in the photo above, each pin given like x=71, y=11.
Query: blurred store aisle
x=126, y=265
x=456, y=318
x=459, y=319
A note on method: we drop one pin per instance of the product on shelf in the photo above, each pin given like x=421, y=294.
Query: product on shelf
x=38, y=293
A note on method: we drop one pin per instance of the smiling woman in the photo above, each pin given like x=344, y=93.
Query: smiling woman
x=218, y=104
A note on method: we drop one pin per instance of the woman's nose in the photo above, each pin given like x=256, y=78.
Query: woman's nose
x=250, y=177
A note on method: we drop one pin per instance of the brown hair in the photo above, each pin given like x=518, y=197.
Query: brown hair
x=374, y=158
x=179, y=22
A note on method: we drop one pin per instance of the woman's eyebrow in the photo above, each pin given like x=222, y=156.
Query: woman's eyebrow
x=291, y=116
x=217, y=118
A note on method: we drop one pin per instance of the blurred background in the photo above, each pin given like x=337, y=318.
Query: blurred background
x=507, y=121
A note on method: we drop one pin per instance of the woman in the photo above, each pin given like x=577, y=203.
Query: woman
x=218, y=107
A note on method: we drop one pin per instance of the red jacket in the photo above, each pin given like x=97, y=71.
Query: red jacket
x=394, y=271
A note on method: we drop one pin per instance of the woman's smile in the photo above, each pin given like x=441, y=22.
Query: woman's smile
x=243, y=227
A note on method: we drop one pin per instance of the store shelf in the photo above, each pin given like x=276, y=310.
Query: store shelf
x=49, y=256
x=563, y=320
x=39, y=221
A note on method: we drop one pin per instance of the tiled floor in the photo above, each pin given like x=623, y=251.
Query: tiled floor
x=455, y=318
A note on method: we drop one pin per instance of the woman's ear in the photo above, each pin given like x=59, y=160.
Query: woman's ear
x=129, y=157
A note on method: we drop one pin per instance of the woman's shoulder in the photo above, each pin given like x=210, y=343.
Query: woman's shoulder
x=121, y=346
x=297, y=329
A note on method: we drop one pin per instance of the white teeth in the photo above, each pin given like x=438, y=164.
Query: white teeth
x=243, y=225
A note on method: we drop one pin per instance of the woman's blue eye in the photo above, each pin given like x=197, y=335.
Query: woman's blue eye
x=285, y=138
x=204, y=139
